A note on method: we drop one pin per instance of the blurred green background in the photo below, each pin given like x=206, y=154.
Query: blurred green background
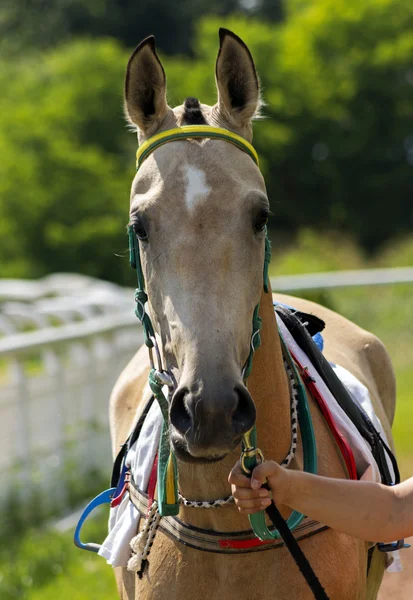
x=336, y=149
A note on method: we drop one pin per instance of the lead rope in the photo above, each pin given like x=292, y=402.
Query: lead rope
x=298, y=555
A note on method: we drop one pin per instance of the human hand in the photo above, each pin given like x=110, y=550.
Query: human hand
x=248, y=494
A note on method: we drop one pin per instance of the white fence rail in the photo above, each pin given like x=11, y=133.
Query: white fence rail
x=59, y=359
x=63, y=342
x=314, y=281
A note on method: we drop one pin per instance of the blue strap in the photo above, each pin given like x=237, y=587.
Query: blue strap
x=103, y=498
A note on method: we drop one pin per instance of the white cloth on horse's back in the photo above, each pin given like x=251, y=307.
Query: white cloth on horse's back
x=141, y=456
x=362, y=396
x=366, y=465
x=361, y=450
x=124, y=519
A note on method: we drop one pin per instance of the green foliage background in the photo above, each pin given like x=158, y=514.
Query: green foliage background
x=336, y=145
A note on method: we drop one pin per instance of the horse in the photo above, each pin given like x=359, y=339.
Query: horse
x=199, y=209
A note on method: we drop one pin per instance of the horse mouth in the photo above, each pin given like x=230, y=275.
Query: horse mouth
x=182, y=453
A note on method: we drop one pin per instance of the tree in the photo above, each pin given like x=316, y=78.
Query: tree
x=336, y=147
x=46, y=23
x=67, y=163
x=337, y=144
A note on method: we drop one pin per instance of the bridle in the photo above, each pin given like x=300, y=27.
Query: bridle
x=168, y=495
x=168, y=498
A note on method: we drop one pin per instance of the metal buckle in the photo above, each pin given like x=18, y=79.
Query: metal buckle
x=158, y=354
x=162, y=376
x=250, y=453
x=252, y=350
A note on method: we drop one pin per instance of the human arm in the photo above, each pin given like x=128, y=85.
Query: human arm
x=363, y=509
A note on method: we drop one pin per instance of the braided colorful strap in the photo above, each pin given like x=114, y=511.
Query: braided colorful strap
x=168, y=497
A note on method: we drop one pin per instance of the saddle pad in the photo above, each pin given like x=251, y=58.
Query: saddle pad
x=361, y=450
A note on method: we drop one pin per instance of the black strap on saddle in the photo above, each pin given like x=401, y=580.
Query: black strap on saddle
x=302, y=326
x=124, y=449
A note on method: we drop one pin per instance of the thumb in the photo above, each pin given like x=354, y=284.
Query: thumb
x=262, y=472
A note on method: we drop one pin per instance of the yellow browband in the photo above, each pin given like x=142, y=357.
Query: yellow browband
x=191, y=131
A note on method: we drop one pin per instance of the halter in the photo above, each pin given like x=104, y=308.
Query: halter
x=168, y=495
x=168, y=500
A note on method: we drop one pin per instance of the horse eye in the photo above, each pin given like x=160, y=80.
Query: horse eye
x=260, y=221
x=140, y=231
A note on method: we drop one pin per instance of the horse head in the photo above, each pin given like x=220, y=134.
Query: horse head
x=199, y=210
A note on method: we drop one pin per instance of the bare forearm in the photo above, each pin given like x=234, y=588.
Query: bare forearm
x=361, y=509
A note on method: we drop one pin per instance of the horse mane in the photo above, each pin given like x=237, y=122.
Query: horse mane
x=192, y=112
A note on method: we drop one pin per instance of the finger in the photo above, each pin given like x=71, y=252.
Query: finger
x=258, y=504
x=237, y=467
x=240, y=481
x=249, y=511
x=247, y=493
x=236, y=477
x=262, y=472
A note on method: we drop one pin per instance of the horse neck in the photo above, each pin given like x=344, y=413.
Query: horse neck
x=269, y=388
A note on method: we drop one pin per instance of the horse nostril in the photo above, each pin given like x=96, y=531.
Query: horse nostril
x=244, y=415
x=179, y=415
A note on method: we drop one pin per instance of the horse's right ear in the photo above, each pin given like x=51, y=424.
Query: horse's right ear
x=145, y=88
x=237, y=80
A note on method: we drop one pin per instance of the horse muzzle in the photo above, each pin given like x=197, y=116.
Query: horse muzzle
x=207, y=424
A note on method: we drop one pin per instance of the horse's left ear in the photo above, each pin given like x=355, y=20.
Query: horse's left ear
x=237, y=80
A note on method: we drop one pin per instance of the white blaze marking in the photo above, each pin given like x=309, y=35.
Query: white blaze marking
x=196, y=188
